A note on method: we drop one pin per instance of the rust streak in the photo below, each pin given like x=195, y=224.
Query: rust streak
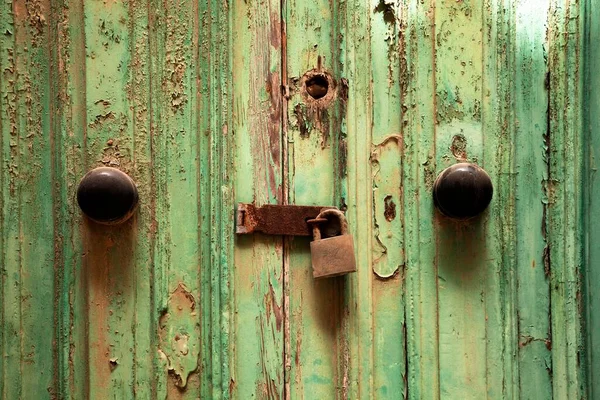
x=277, y=310
x=390, y=208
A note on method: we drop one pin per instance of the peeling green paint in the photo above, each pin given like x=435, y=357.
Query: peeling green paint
x=204, y=104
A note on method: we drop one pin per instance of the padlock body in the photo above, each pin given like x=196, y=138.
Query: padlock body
x=333, y=256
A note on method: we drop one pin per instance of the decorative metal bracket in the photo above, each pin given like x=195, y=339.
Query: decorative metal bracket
x=271, y=219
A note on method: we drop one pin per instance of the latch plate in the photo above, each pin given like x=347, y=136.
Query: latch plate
x=272, y=219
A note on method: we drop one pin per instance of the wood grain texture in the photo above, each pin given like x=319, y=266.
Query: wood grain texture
x=258, y=273
x=93, y=84
x=531, y=164
x=204, y=104
x=563, y=191
x=317, y=313
x=591, y=126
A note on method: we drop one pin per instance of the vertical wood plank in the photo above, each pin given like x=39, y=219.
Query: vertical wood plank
x=461, y=257
x=71, y=150
x=11, y=280
x=387, y=105
x=109, y=261
x=257, y=113
x=358, y=70
x=214, y=74
x=145, y=325
x=531, y=164
x=419, y=174
x=563, y=189
x=497, y=115
x=69, y=110
x=592, y=194
x=36, y=201
x=497, y=118
x=176, y=140
x=317, y=316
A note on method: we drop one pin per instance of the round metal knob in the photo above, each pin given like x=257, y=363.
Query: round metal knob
x=462, y=191
x=107, y=195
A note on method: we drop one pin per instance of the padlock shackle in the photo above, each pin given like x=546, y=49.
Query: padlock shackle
x=332, y=212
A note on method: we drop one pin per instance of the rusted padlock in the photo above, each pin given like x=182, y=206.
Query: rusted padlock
x=335, y=255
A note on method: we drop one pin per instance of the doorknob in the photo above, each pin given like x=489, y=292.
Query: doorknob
x=107, y=195
x=462, y=191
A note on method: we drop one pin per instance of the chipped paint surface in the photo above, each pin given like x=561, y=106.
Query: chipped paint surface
x=353, y=104
x=180, y=335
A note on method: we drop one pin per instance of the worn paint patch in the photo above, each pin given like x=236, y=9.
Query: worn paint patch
x=459, y=147
x=180, y=335
x=319, y=92
x=388, y=253
x=387, y=8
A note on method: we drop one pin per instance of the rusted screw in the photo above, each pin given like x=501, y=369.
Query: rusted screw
x=317, y=86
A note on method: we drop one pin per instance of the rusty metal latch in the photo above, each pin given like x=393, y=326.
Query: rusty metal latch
x=271, y=219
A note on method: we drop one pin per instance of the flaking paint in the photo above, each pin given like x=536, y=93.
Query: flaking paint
x=201, y=103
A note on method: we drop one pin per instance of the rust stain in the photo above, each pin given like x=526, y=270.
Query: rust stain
x=546, y=258
x=273, y=85
x=268, y=388
x=231, y=388
x=387, y=8
x=429, y=174
x=275, y=33
x=302, y=121
x=313, y=112
x=272, y=306
x=298, y=353
x=342, y=143
x=390, y=208
x=97, y=247
x=276, y=219
x=527, y=339
x=459, y=147
x=102, y=118
x=179, y=336
x=111, y=154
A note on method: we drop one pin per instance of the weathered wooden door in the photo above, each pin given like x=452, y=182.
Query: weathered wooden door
x=204, y=103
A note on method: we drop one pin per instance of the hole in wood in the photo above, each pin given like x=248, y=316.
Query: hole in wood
x=317, y=86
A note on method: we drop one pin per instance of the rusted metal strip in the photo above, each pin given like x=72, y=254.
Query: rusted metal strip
x=270, y=219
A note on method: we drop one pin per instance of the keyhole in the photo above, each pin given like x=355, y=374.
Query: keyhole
x=317, y=86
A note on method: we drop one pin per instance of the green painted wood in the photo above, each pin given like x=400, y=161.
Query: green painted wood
x=462, y=259
x=421, y=311
x=530, y=161
x=387, y=96
x=317, y=316
x=563, y=191
x=258, y=281
x=203, y=104
x=70, y=106
x=110, y=267
x=27, y=144
x=591, y=196
x=497, y=118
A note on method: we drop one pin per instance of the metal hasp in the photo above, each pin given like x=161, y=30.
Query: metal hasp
x=272, y=219
x=462, y=191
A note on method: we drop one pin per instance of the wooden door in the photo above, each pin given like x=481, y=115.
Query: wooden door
x=205, y=104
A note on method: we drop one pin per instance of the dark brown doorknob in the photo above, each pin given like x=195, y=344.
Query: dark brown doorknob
x=462, y=191
x=107, y=195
